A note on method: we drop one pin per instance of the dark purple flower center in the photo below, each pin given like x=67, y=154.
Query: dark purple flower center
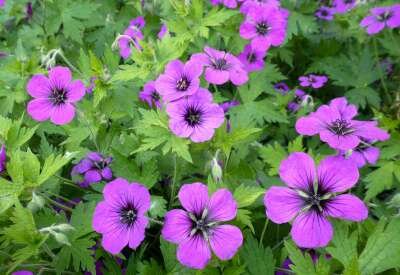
x=155, y=96
x=58, y=96
x=193, y=116
x=101, y=164
x=220, y=64
x=262, y=28
x=324, y=12
x=128, y=215
x=201, y=224
x=383, y=17
x=341, y=127
x=348, y=1
x=251, y=57
x=315, y=198
x=182, y=84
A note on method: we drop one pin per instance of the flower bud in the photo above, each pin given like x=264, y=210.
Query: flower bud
x=61, y=238
x=216, y=170
x=36, y=203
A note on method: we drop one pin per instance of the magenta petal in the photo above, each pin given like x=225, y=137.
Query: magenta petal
x=298, y=171
x=101, y=221
x=136, y=232
x=83, y=166
x=216, y=76
x=115, y=189
x=311, y=230
x=140, y=196
x=92, y=176
x=106, y=173
x=194, y=197
x=76, y=90
x=371, y=154
x=114, y=241
x=225, y=241
x=282, y=204
x=202, y=134
x=39, y=86
x=39, y=109
x=339, y=142
x=194, y=252
x=62, y=114
x=309, y=125
x=177, y=226
x=336, y=174
x=222, y=206
x=60, y=77
x=346, y=207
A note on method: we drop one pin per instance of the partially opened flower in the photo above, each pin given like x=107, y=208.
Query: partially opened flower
x=195, y=117
x=220, y=67
x=325, y=13
x=199, y=227
x=3, y=158
x=227, y=3
x=252, y=59
x=247, y=5
x=22, y=272
x=265, y=27
x=163, y=31
x=120, y=217
x=131, y=36
x=335, y=125
x=313, y=194
x=54, y=96
x=281, y=87
x=343, y=6
x=299, y=99
x=94, y=168
x=226, y=106
x=179, y=80
x=380, y=18
x=364, y=153
x=150, y=95
x=312, y=80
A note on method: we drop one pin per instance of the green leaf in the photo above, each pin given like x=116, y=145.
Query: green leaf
x=364, y=96
x=380, y=180
x=246, y=195
x=302, y=263
x=51, y=165
x=244, y=217
x=158, y=206
x=343, y=246
x=273, y=156
x=227, y=140
x=258, y=260
x=382, y=251
x=9, y=193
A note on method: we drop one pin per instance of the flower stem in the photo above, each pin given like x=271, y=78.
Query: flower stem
x=90, y=130
x=263, y=231
x=155, y=221
x=171, y=199
x=381, y=76
x=67, y=181
x=57, y=203
x=61, y=54
x=62, y=197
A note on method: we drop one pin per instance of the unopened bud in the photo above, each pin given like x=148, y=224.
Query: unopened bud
x=61, y=238
x=36, y=203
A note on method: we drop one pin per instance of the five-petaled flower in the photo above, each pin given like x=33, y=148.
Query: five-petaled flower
x=220, y=67
x=94, y=168
x=120, y=217
x=265, y=27
x=335, y=125
x=178, y=80
x=54, y=96
x=312, y=80
x=380, y=18
x=325, y=13
x=200, y=227
x=314, y=194
x=252, y=59
x=195, y=117
x=343, y=6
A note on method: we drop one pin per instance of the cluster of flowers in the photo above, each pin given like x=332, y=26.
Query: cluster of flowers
x=380, y=18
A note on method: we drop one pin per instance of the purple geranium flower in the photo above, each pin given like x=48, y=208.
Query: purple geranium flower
x=163, y=31
x=247, y=5
x=315, y=81
x=227, y=3
x=94, y=168
x=179, y=80
x=226, y=106
x=265, y=27
x=132, y=35
x=364, y=153
x=380, y=18
x=195, y=117
x=3, y=158
x=120, y=217
x=325, y=13
x=252, y=59
x=299, y=97
x=314, y=194
x=281, y=87
x=199, y=226
x=55, y=96
x=221, y=67
x=335, y=125
x=2, y=3
x=343, y=6
x=150, y=95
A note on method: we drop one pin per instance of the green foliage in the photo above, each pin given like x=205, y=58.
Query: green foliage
x=258, y=260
